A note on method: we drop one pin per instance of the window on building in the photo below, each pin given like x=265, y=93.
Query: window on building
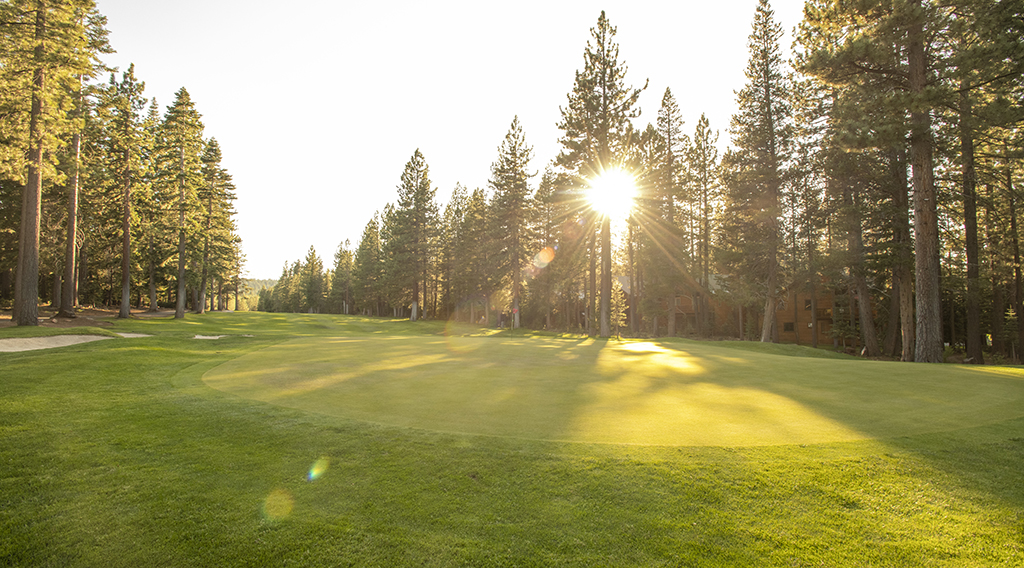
x=788, y=326
x=807, y=304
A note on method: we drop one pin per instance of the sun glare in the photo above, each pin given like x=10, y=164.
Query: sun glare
x=612, y=193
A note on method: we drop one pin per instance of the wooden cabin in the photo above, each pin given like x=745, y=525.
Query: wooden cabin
x=795, y=318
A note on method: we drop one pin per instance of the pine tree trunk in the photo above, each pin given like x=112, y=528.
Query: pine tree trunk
x=632, y=281
x=998, y=298
x=82, y=273
x=670, y=316
x=70, y=293
x=796, y=319
x=606, y=276
x=998, y=311
x=592, y=288
x=892, y=326
x=26, y=283
x=814, y=314
x=1018, y=299
x=974, y=340
x=904, y=259
x=55, y=289
x=926, y=231
x=769, y=306
x=203, y=273
x=126, y=244
x=179, y=309
x=868, y=333
x=151, y=269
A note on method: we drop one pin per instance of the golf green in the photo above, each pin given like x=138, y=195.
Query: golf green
x=621, y=392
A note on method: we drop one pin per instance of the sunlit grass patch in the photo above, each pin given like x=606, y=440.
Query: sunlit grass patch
x=631, y=392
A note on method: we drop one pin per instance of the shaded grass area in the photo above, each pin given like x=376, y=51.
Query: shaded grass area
x=785, y=349
x=116, y=453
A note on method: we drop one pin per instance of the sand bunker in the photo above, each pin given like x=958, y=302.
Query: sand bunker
x=32, y=343
x=14, y=344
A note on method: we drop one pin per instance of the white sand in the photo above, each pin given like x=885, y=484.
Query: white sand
x=15, y=344
x=32, y=343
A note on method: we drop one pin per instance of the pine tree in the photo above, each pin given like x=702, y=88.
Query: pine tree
x=762, y=134
x=618, y=307
x=453, y=252
x=340, y=298
x=478, y=264
x=367, y=269
x=47, y=48
x=312, y=283
x=596, y=127
x=510, y=182
x=669, y=169
x=549, y=212
x=702, y=172
x=215, y=196
x=126, y=143
x=180, y=165
x=414, y=229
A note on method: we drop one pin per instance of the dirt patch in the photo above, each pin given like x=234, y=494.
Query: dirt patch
x=87, y=317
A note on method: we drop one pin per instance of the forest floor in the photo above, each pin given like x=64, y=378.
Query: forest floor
x=89, y=316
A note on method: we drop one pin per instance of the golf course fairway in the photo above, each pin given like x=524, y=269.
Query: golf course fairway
x=673, y=393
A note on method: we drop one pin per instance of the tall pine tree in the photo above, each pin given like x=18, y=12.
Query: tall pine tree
x=762, y=134
x=596, y=127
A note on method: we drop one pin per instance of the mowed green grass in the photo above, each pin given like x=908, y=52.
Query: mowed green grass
x=121, y=453
x=620, y=392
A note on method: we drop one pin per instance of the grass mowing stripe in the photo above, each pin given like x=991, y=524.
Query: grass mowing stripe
x=117, y=454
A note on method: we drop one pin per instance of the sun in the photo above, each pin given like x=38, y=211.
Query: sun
x=612, y=194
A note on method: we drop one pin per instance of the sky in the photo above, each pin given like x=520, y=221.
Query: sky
x=318, y=108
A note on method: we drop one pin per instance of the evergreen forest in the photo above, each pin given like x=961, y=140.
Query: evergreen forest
x=106, y=199
x=877, y=170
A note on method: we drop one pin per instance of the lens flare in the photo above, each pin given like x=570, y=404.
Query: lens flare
x=544, y=257
x=318, y=469
x=278, y=505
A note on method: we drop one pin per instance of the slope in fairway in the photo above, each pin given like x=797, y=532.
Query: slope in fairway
x=676, y=394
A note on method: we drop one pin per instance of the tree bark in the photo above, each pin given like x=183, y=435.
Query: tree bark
x=68, y=299
x=769, y=306
x=1018, y=300
x=126, y=242
x=893, y=325
x=179, y=309
x=869, y=336
x=632, y=281
x=928, y=348
x=974, y=339
x=606, y=276
x=904, y=259
x=998, y=299
x=206, y=253
x=592, y=291
x=151, y=269
x=26, y=283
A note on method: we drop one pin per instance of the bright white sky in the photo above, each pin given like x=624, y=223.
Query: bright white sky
x=318, y=107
